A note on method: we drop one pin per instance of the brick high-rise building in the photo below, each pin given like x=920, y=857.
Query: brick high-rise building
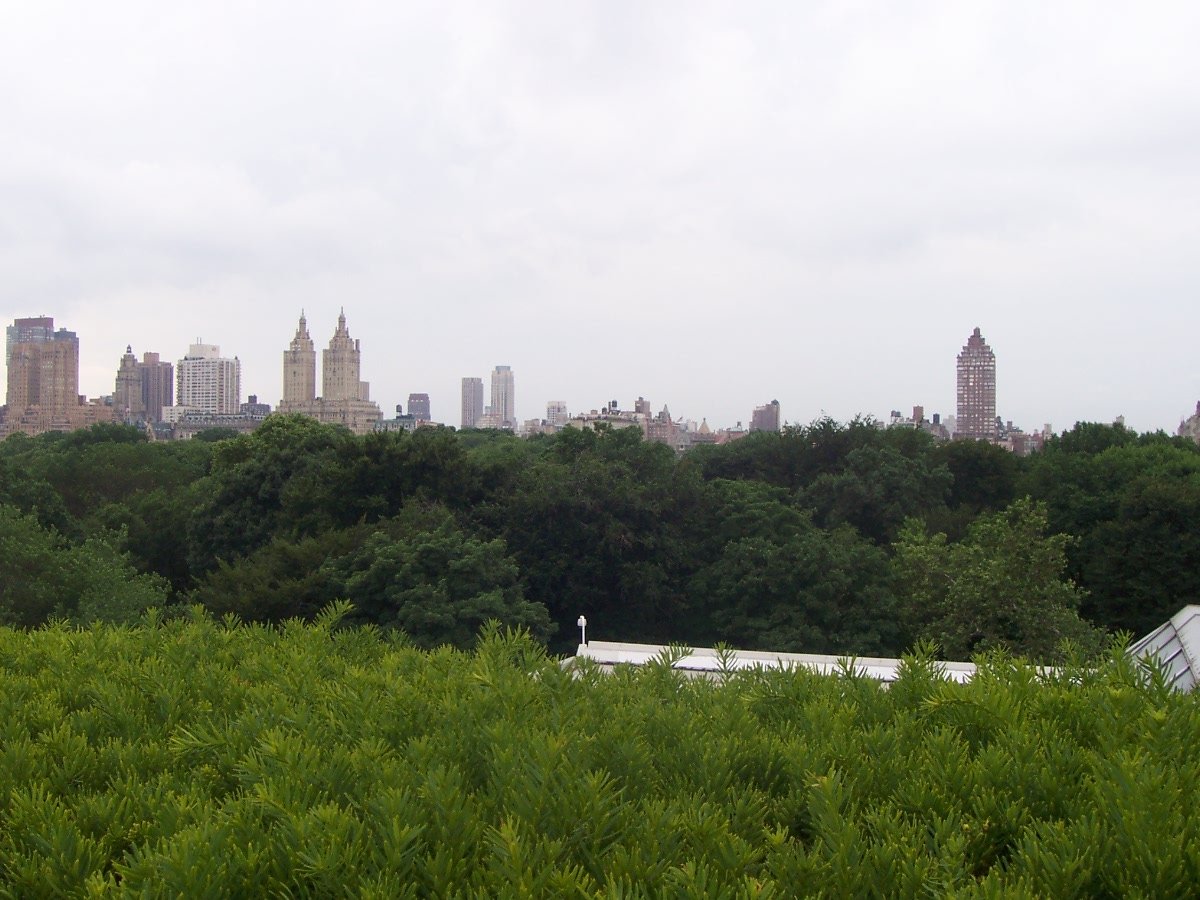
x=472, y=402
x=765, y=417
x=976, y=417
x=158, y=385
x=43, y=368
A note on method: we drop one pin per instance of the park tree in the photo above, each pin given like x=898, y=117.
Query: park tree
x=876, y=489
x=46, y=576
x=1142, y=562
x=599, y=525
x=1132, y=507
x=1003, y=585
x=286, y=578
x=802, y=590
x=258, y=488
x=438, y=586
x=793, y=457
x=983, y=476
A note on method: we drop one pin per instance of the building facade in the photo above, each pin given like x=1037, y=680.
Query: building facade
x=504, y=401
x=765, y=417
x=557, y=414
x=341, y=365
x=976, y=417
x=418, y=407
x=34, y=330
x=299, y=368
x=472, y=402
x=158, y=386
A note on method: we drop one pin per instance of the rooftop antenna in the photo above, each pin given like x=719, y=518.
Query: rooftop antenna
x=582, y=623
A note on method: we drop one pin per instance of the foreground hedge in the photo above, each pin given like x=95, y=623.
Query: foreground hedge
x=196, y=758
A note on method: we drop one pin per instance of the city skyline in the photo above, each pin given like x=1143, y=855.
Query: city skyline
x=975, y=383
x=708, y=206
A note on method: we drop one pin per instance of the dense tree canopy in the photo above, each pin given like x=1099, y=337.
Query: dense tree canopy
x=825, y=537
x=46, y=577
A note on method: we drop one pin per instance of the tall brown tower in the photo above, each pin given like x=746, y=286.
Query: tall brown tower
x=299, y=369
x=340, y=367
x=158, y=385
x=128, y=400
x=976, y=390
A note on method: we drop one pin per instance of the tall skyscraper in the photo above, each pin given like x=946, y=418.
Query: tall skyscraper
x=299, y=368
x=976, y=390
x=207, y=382
x=472, y=402
x=765, y=417
x=504, y=404
x=43, y=369
x=418, y=407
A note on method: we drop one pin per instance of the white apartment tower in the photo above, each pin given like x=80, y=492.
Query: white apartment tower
x=206, y=382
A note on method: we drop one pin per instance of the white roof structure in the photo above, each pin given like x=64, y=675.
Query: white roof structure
x=1176, y=646
x=705, y=662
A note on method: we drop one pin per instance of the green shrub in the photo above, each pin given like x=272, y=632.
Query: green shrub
x=202, y=758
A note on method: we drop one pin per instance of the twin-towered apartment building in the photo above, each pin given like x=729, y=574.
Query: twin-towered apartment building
x=345, y=398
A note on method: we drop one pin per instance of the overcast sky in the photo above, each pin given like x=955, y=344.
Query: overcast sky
x=711, y=205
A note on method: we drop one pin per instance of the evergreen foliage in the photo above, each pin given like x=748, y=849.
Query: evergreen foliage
x=194, y=757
